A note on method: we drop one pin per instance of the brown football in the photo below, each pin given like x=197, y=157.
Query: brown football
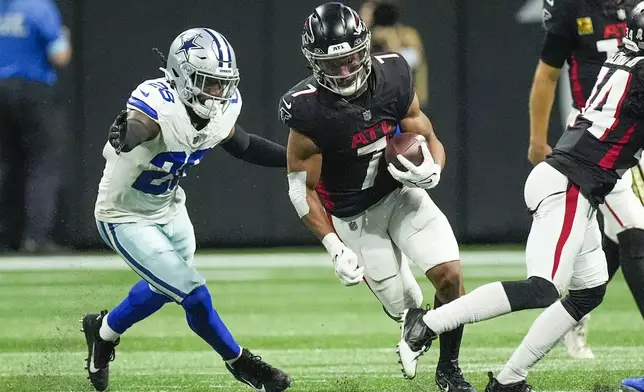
x=407, y=145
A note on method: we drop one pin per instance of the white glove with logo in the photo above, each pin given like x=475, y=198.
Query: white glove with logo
x=344, y=260
x=426, y=175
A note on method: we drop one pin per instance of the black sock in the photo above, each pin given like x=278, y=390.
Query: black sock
x=450, y=343
x=631, y=248
x=611, y=249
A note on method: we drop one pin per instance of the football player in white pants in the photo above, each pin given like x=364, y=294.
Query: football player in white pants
x=564, y=246
x=340, y=119
x=170, y=124
x=622, y=216
x=620, y=213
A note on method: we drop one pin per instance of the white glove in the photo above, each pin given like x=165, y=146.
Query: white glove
x=426, y=175
x=344, y=260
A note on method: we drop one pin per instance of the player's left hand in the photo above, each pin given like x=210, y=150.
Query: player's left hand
x=116, y=135
x=426, y=175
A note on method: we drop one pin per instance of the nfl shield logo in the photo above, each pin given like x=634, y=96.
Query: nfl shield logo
x=366, y=115
x=621, y=14
x=353, y=226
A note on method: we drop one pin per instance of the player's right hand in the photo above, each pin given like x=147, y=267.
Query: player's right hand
x=116, y=135
x=346, y=266
x=537, y=152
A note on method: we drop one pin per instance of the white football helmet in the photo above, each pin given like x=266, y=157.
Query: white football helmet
x=203, y=67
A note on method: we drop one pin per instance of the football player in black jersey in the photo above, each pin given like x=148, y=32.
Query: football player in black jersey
x=340, y=120
x=583, y=33
x=564, y=246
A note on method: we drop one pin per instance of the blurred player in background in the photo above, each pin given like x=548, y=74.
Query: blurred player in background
x=389, y=35
x=33, y=44
x=564, y=246
x=583, y=33
x=170, y=124
x=366, y=217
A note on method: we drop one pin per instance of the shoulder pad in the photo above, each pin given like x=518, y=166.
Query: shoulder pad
x=559, y=17
x=397, y=79
x=294, y=106
x=150, y=96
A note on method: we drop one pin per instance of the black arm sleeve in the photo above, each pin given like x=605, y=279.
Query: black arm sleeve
x=255, y=149
x=136, y=134
x=556, y=50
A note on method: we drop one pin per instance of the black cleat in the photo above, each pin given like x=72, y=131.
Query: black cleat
x=99, y=352
x=450, y=379
x=415, y=339
x=494, y=386
x=257, y=374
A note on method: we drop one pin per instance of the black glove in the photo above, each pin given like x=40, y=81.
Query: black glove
x=116, y=135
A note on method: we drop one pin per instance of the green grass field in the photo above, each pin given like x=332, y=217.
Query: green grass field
x=297, y=316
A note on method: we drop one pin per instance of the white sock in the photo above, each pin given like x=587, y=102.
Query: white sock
x=545, y=332
x=106, y=332
x=231, y=361
x=482, y=303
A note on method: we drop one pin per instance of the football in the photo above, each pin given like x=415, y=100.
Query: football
x=407, y=145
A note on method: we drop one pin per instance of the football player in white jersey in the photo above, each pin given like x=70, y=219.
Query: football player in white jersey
x=169, y=125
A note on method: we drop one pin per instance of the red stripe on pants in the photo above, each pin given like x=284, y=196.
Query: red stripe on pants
x=614, y=214
x=572, y=195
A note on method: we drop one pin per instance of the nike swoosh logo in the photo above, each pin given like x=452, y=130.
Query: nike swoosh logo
x=288, y=105
x=258, y=389
x=92, y=368
x=144, y=93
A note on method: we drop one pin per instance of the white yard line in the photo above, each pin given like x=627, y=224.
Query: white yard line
x=240, y=260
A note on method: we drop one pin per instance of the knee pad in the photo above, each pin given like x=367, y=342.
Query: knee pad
x=631, y=244
x=532, y=293
x=198, y=300
x=581, y=302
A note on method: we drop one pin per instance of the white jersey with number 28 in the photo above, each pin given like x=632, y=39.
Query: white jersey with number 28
x=143, y=184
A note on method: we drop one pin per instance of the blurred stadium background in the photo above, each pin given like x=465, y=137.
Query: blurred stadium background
x=281, y=297
x=481, y=60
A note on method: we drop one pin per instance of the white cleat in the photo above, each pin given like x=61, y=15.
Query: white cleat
x=575, y=341
x=407, y=358
x=415, y=339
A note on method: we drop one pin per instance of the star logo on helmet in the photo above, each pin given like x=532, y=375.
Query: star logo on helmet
x=187, y=45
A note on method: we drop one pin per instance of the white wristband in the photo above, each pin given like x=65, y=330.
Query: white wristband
x=332, y=243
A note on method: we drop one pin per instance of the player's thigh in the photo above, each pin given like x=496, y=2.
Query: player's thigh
x=622, y=210
x=379, y=256
x=560, y=218
x=370, y=242
x=590, y=269
x=182, y=235
x=149, y=252
x=637, y=174
x=421, y=230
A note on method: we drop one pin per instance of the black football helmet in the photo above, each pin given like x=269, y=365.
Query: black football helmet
x=337, y=44
x=634, y=39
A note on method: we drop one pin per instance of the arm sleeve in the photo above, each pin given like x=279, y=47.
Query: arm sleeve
x=255, y=149
x=556, y=50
